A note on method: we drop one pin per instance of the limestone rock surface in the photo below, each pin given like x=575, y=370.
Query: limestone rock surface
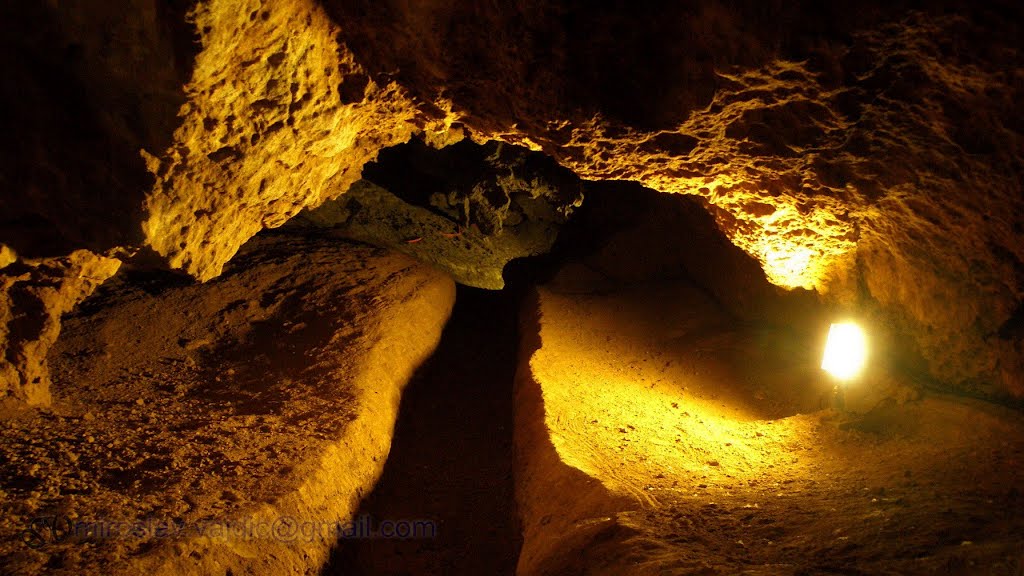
x=34, y=295
x=279, y=116
x=196, y=429
x=870, y=151
x=466, y=209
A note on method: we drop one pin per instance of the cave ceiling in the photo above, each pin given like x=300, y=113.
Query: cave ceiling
x=870, y=151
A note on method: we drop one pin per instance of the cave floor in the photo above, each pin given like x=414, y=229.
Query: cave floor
x=223, y=427
x=656, y=439
x=635, y=429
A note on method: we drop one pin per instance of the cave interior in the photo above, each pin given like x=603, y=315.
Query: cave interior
x=538, y=288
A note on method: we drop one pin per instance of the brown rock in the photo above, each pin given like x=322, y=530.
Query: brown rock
x=298, y=436
x=868, y=152
x=7, y=256
x=279, y=117
x=33, y=296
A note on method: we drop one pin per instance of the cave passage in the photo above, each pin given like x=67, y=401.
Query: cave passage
x=451, y=457
x=539, y=288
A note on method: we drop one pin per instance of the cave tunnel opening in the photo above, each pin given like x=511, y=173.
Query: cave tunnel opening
x=626, y=391
x=681, y=402
x=675, y=397
x=535, y=288
x=629, y=249
x=611, y=386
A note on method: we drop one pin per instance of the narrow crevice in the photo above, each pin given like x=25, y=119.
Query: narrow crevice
x=451, y=457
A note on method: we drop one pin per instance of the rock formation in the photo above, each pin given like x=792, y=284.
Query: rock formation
x=199, y=430
x=34, y=294
x=279, y=116
x=753, y=168
x=871, y=153
x=466, y=209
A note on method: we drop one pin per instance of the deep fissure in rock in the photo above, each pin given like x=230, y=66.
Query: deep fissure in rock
x=451, y=458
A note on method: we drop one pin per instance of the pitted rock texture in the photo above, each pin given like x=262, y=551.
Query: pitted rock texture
x=872, y=152
x=466, y=209
x=34, y=294
x=279, y=117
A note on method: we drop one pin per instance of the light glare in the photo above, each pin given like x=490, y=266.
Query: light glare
x=845, y=351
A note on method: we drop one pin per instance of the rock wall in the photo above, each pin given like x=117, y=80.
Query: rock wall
x=869, y=151
x=85, y=86
x=872, y=152
x=34, y=294
x=280, y=116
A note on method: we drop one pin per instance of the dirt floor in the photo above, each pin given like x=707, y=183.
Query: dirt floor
x=596, y=427
x=654, y=437
x=451, y=460
x=221, y=427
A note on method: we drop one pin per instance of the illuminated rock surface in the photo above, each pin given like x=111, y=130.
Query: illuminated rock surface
x=871, y=152
x=192, y=407
x=276, y=120
x=34, y=294
x=866, y=157
x=644, y=449
x=466, y=209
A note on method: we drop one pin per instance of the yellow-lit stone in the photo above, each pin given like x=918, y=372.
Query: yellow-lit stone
x=32, y=301
x=279, y=117
x=7, y=256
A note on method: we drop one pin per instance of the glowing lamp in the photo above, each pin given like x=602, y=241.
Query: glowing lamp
x=845, y=351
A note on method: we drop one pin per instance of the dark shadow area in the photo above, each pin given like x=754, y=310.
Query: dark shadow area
x=451, y=457
x=84, y=90
x=627, y=234
x=441, y=181
x=646, y=65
